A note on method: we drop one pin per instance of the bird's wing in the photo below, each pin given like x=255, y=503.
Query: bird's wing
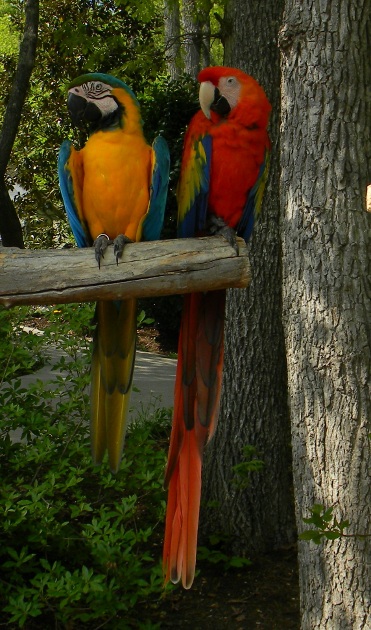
x=193, y=188
x=253, y=204
x=154, y=218
x=70, y=172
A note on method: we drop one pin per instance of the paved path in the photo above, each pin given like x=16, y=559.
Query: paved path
x=153, y=377
x=153, y=382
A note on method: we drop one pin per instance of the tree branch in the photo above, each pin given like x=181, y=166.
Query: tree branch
x=146, y=269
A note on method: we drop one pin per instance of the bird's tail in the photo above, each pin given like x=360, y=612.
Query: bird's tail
x=111, y=378
x=196, y=407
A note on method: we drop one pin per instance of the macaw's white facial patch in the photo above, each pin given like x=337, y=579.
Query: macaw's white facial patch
x=230, y=88
x=99, y=93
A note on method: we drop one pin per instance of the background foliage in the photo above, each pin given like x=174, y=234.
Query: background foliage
x=9, y=40
x=77, y=544
x=123, y=38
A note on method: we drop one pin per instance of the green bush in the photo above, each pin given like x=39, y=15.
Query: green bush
x=79, y=547
x=20, y=351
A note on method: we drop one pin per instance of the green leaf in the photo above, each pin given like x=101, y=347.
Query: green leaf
x=238, y=562
x=327, y=516
x=311, y=534
x=317, y=520
x=332, y=535
x=317, y=508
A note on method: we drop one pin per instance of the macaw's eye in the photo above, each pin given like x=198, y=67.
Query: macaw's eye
x=230, y=80
x=98, y=86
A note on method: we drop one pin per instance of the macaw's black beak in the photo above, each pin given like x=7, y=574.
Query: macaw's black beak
x=82, y=112
x=220, y=104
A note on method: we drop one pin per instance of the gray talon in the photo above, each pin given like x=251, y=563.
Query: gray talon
x=230, y=236
x=118, y=245
x=100, y=245
x=217, y=227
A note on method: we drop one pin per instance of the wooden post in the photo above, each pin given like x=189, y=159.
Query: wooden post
x=146, y=269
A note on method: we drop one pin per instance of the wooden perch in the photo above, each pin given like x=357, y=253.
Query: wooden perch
x=55, y=276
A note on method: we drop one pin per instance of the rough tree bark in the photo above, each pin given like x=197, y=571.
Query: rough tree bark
x=206, y=42
x=326, y=154
x=254, y=402
x=192, y=37
x=187, y=36
x=10, y=227
x=172, y=38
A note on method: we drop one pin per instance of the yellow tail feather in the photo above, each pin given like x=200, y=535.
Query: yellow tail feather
x=112, y=373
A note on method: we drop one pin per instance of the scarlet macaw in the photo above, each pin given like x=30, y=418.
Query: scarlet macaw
x=223, y=174
x=114, y=188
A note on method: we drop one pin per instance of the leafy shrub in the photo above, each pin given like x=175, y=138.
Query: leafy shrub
x=217, y=551
x=79, y=547
x=20, y=351
x=167, y=107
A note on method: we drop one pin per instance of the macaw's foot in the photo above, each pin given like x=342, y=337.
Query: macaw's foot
x=100, y=245
x=118, y=245
x=216, y=226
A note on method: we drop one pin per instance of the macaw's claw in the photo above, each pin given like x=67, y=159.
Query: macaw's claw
x=118, y=245
x=100, y=245
x=217, y=227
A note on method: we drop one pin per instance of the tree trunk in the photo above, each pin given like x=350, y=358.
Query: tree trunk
x=192, y=37
x=254, y=402
x=326, y=151
x=10, y=228
x=172, y=38
x=206, y=42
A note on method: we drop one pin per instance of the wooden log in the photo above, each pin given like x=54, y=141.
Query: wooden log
x=56, y=276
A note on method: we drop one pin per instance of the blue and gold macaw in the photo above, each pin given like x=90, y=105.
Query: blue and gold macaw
x=114, y=190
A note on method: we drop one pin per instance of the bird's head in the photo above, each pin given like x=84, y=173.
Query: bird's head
x=233, y=94
x=100, y=101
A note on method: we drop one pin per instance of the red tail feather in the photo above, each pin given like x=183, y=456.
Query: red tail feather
x=197, y=395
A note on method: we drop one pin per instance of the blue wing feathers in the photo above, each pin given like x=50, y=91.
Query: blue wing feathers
x=152, y=224
x=194, y=220
x=67, y=191
x=254, y=201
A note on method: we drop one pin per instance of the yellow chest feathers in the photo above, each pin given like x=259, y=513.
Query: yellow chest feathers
x=117, y=174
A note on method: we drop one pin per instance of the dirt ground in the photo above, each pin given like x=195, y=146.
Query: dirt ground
x=150, y=340
x=264, y=595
